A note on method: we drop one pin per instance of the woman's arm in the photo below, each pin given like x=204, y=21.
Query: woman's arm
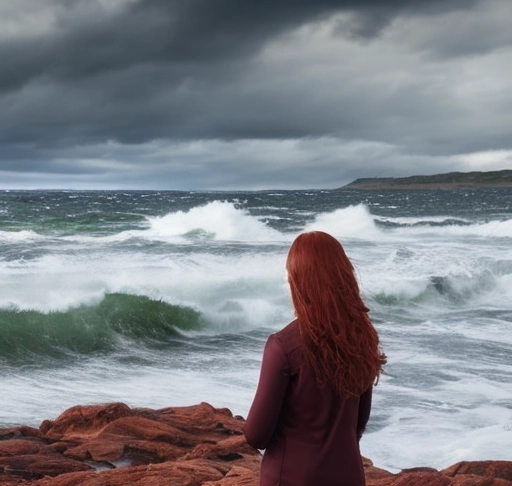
x=266, y=406
x=365, y=406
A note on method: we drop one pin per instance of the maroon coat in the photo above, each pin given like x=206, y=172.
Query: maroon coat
x=310, y=434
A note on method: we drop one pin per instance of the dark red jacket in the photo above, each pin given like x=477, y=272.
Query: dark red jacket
x=310, y=434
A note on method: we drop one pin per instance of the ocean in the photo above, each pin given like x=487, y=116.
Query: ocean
x=160, y=299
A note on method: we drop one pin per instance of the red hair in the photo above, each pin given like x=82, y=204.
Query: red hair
x=339, y=340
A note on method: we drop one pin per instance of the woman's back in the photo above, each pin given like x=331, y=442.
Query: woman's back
x=315, y=440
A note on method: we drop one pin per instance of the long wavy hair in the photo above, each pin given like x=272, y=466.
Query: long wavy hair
x=339, y=340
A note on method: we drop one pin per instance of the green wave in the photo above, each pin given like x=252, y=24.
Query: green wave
x=28, y=336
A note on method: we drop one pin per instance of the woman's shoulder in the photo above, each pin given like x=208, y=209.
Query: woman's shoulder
x=289, y=339
x=290, y=331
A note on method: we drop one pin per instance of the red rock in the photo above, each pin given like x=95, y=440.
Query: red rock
x=17, y=432
x=115, y=445
x=84, y=420
x=476, y=473
x=487, y=469
x=18, y=447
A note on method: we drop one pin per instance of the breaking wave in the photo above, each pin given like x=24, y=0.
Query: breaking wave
x=28, y=336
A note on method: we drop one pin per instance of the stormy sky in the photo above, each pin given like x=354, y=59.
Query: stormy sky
x=251, y=94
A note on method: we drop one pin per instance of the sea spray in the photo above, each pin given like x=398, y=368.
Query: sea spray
x=220, y=220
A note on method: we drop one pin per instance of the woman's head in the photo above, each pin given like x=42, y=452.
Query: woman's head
x=320, y=271
x=340, y=341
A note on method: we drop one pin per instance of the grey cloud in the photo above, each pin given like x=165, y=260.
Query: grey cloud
x=194, y=35
x=200, y=69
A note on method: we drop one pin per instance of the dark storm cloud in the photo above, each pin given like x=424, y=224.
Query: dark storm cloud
x=77, y=74
x=183, y=35
x=88, y=41
x=150, y=70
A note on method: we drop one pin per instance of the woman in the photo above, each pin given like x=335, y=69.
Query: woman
x=314, y=394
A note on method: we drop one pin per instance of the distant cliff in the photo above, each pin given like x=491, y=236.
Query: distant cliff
x=451, y=180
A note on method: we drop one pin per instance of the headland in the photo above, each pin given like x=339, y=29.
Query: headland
x=450, y=180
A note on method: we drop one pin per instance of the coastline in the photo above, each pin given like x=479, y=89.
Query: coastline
x=448, y=181
x=448, y=186
x=115, y=445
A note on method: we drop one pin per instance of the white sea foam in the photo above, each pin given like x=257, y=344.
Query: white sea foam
x=397, y=267
x=19, y=236
x=494, y=229
x=358, y=222
x=461, y=420
x=351, y=222
x=440, y=274
x=217, y=219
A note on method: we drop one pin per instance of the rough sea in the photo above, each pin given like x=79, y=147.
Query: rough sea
x=161, y=299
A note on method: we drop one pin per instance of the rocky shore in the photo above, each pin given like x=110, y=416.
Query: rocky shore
x=115, y=445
